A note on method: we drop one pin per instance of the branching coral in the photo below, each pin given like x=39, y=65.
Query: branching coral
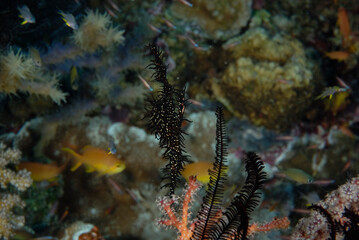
x=271, y=81
x=183, y=224
x=96, y=30
x=19, y=73
x=8, y=220
x=21, y=180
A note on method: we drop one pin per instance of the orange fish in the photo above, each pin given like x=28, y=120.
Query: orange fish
x=42, y=171
x=337, y=55
x=96, y=159
x=343, y=23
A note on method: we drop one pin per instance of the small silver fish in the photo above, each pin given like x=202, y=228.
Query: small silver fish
x=147, y=85
x=184, y=2
x=26, y=15
x=69, y=20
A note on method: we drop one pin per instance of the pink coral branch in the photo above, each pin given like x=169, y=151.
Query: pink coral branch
x=181, y=224
x=275, y=224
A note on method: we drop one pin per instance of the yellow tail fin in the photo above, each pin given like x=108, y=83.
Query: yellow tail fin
x=76, y=155
x=76, y=166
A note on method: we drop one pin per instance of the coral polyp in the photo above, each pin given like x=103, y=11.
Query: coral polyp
x=19, y=73
x=97, y=30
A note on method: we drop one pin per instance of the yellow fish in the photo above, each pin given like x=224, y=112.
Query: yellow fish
x=42, y=171
x=96, y=159
x=74, y=78
x=199, y=169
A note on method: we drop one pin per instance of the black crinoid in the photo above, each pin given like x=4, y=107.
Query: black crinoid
x=165, y=114
x=234, y=222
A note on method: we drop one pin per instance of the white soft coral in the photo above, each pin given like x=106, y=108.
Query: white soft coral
x=18, y=72
x=97, y=30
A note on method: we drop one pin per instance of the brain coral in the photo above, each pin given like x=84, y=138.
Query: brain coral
x=270, y=81
x=219, y=19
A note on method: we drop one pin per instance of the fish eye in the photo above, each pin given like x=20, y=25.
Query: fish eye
x=310, y=180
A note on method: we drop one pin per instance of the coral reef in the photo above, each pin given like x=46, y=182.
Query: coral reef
x=335, y=204
x=21, y=180
x=271, y=81
x=199, y=138
x=8, y=220
x=134, y=142
x=42, y=200
x=19, y=73
x=148, y=214
x=96, y=31
x=319, y=154
x=218, y=19
x=70, y=128
x=66, y=86
x=165, y=121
